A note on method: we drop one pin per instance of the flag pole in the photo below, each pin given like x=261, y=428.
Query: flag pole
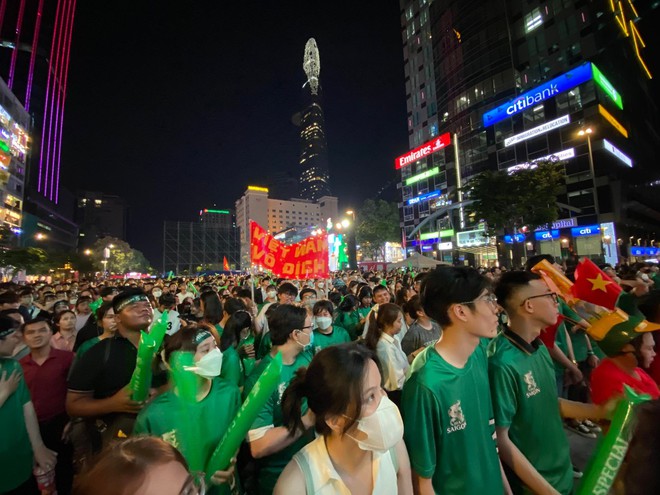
x=251, y=271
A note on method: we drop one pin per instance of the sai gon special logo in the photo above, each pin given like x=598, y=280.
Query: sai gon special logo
x=532, y=388
x=456, y=418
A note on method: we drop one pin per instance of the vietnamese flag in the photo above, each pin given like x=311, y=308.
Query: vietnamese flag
x=594, y=286
x=549, y=333
x=225, y=263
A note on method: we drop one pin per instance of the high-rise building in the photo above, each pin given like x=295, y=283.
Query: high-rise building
x=213, y=216
x=315, y=177
x=279, y=215
x=35, y=42
x=520, y=83
x=100, y=215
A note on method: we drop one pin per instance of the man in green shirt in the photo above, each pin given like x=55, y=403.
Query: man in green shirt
x=530, y=433
x=21, y=445
x=325, y=333
x=446, y=406
x=271, y=444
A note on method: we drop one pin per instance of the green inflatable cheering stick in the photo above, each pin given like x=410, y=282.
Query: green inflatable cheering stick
x=254, y=402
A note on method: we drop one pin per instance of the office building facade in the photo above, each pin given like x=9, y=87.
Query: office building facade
x=100, y=215
x=515, y=85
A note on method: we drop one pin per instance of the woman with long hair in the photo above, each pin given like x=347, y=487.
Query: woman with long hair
x=215, y=406
x=238, y=327
x=211, y=308
x=384, y=323
x=359, y=447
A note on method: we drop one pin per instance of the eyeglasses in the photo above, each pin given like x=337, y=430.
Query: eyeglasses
x=489, y=298
x=555, y=297
x=194, y=485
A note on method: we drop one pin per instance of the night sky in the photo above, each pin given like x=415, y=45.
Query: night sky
x=177, y=106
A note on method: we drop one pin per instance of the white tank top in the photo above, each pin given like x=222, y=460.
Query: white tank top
x=321, y=478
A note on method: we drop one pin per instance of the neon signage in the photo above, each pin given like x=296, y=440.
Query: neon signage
x=472, y=238
x=550, y=89
x=610, y=118
x=546, y=235
x=618, y=153
x=510, y=239
x=559, y=156
x=559, y=224
x=436, y=144
x=629, y=29
x=585, y=230
x=538, y=130
x=423, y=197
x=422, y=176
x=644, y=251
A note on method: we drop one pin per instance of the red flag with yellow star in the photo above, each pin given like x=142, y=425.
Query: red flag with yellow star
x=594, y=286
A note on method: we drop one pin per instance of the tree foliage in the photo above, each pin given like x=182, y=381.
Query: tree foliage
x=30, y=259
x=122, y=257
x=508, y=202
x=377, y=223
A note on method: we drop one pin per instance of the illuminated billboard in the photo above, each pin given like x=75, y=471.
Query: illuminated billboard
x=436, y=144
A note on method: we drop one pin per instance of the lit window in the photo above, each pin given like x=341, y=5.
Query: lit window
x=533, y=20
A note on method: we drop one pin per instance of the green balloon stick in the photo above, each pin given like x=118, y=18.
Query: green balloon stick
x=188, y=426
x=193, y=288
x=159, y=330
x=141, y=378
x=611, y=451
x=254, y=402
x=94, y=305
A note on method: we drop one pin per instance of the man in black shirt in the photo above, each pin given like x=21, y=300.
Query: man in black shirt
x=98, y=384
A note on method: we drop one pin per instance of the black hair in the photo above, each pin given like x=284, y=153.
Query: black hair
x=285, y=319
x=649, y=305
x=102, y=310
x=234, y=304
x=641, y=476
x=448, y=285
x=33, y=322
x=307, y=290
x=365, y=291
x=288, y=288
x=212, y=307
x=380, y=316
x=332, y=385
x=534, y=260
x=379, y=288
x=231, y=334
x=510, y=282
x=349, y=303
x=167, y=299
x=247, y=293
x=9, y=297
x=413, y=305
x=334, y=298
x=321, y=305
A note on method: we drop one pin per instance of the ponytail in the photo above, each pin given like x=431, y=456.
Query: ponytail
x=292, y=401
x=374, y=331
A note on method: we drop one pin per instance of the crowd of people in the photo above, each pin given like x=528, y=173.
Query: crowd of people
x=444, y=381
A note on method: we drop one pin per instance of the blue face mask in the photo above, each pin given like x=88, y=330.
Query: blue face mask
x=307, y=347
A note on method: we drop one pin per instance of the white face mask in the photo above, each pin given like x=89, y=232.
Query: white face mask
x=209, y=365
x=271, y=294
x=384, y=428
x=156, y=293
x=321, y=284
x=323, y=322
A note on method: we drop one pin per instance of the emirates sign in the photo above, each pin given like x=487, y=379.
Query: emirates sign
x=424, y=150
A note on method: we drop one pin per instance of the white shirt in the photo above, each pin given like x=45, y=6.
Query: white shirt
x=393, y=360
x=315, y=463
x=399, y=336
x=173, y=321
x=182, y=295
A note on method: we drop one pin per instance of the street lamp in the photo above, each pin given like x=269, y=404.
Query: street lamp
x=88, y=252
x=40, y=236
x=587, y=132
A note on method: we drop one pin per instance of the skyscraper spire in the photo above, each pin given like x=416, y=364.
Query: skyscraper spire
x=314, y=178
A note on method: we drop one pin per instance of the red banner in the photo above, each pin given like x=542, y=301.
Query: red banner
x=306, y=259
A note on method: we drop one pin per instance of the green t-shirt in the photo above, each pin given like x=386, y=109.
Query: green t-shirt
x=232, y=367
x=271, y=466
x=524, y=393
x=85, y=346
x=265, y=345
x=219, y=329
x=248, y=363
x=337, y=335
x=16, y=456
x=207, y=420
x=350, y=322
x=449, y=432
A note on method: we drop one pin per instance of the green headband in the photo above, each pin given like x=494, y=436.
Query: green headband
x=201, y=337
x=130, y=300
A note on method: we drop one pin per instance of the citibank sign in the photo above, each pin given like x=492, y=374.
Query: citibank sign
x=585, y=230
x=423, y=151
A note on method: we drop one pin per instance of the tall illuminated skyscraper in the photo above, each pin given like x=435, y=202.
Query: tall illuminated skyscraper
x=314, y=178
